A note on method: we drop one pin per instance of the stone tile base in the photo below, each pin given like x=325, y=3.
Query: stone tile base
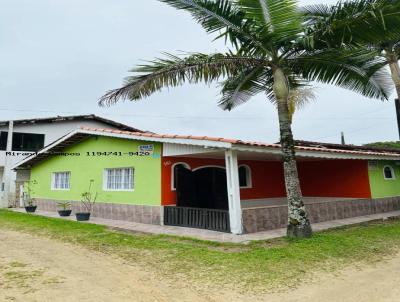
x=275, y=217
x=125, y=212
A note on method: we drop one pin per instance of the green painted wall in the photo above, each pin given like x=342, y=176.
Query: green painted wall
x=380, y=187
x=83, y=168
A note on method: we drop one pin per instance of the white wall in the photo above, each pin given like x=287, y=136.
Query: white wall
x=52, y=132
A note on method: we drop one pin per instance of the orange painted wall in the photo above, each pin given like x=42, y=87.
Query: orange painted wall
x=336, y=178
x=267, y=177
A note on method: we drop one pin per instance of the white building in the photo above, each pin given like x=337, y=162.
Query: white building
x=31, y=135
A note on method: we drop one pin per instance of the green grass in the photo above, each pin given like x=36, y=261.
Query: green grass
x=259, y=265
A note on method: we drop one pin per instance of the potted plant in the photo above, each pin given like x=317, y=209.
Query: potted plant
x=64, y=208
x=88, y=201
x=29, y=202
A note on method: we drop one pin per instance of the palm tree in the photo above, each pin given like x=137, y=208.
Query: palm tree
x=270, y=56
x=300, y=98
x=374, y=24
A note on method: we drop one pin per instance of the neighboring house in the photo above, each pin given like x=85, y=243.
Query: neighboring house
x=213, y=183
x=31, y=135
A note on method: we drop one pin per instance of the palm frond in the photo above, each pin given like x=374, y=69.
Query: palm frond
x=239, y=89
x=281, y=17
x=296, y=86
x=316, y=11
x=220, y=15
x=173, y=71
x=258, y=10
x=396, y=46
x=357, y=70
x=299, y=98
x=353, y=22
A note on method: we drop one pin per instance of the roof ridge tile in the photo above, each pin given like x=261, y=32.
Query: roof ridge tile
x=315, y=147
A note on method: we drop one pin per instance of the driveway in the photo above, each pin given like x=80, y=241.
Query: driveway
x=40, y=269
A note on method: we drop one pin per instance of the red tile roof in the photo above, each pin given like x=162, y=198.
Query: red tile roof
x=319, y=147
x=175, y=136
x=78, y=136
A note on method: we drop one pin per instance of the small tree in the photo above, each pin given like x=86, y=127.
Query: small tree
x=28, y=192
x=64, y=205
x=89, y=198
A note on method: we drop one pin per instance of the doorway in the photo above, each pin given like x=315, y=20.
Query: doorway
x=205, y=187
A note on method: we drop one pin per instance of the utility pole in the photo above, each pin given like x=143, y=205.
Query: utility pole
x=397, y=102
x=343, y=140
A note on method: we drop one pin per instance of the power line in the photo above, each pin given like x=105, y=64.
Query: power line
x=359, y=117
x=202, y=117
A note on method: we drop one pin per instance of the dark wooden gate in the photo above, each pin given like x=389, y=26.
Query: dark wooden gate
x=209, y=219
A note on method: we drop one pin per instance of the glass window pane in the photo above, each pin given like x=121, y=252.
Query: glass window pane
x=243, y=181
x=27, y=142
x=61, y=180
x=388, y=173
x=3, y=140
x=119, y=179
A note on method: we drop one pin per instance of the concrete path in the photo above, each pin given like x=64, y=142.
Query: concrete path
x=211, y=235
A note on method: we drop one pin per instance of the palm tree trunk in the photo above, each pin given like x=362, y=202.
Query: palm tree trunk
x=395, y=71
x=298, y=223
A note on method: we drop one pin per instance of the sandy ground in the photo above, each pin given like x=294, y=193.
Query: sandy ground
x=39, y=269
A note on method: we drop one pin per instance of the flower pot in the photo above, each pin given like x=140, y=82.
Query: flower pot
x=30, y=209
x=64, y=213
x=82, y=216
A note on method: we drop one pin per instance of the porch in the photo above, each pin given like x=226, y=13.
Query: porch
x=242, y=190
x=275, y=216
x=218, y=220
x=259, y=219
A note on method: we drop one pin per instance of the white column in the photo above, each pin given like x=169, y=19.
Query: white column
x=7, y=167
x=232, y=174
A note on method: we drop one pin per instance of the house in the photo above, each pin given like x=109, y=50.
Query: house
x=211, y=183
x=31, y=135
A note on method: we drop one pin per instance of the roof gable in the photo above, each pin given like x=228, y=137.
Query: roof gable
x=58, y=119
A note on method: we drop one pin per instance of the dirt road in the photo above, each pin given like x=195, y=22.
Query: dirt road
x=39, y=269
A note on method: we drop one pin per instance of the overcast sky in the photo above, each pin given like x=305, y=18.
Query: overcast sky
x=57, y=57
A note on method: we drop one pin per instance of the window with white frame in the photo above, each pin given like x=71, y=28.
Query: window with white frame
x=388, y=173
x=119, y=179
x=61, y=181
x=244, y=176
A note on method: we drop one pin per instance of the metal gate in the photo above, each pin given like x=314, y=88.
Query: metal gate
x=209, y=219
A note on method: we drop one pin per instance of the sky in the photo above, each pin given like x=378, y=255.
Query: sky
x=59, y=57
